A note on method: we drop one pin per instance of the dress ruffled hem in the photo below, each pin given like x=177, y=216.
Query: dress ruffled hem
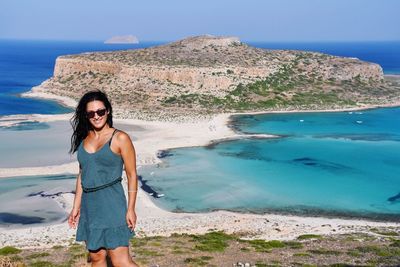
x=109, y=238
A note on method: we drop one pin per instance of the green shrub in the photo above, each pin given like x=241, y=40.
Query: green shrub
x=9, y=250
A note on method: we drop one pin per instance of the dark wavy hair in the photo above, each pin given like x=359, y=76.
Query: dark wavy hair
x=80, y=123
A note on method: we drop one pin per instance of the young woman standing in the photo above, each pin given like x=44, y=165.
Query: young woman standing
x=100, y=212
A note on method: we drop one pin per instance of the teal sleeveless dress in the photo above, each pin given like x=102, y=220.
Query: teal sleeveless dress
x=102, y=221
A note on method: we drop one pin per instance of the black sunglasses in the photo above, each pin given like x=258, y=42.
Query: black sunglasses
x=100, y=112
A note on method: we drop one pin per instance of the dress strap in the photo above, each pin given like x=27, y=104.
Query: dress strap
x=109, y=142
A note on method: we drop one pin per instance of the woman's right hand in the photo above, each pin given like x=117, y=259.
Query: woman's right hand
x=73, y=218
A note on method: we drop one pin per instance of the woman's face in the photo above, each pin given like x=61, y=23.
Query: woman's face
x=97, y=119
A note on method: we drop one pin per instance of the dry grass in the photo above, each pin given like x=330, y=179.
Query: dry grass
x=220, y=249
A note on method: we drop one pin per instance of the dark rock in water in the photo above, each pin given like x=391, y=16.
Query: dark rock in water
x=35, y=194
x=43, y=194
x=249, y=152
x=310, y=163
x=163, y=154
x=6, y=217
x=394, y=199
x=305, y=159
x=326, y=165
x=147, y=188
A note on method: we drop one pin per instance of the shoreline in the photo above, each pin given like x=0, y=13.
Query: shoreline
x=38, y=92
x=152, y=220
x=366, y=107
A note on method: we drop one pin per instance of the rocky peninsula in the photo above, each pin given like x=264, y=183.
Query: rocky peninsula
x=207, y=75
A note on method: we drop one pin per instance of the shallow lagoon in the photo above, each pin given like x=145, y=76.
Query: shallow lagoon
x=32, y=144
x=332, y=164
x=29, y=200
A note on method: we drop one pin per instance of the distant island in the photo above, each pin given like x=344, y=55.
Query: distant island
x=211, y=74
x=124, y=39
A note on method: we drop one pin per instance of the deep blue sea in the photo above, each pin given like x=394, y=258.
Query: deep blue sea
x=331, y=164
x=24, y=64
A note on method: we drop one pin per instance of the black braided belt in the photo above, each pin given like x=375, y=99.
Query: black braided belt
x=92, y=189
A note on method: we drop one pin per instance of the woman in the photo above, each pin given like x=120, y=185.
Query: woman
x=105, y=221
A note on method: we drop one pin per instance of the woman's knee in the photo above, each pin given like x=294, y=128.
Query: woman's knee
x=120, y=257
x=98, y=255
x=121, y=261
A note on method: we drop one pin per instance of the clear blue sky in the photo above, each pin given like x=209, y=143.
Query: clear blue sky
x=165, y=20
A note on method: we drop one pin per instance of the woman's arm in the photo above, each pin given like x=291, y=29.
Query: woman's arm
x=74, y=215
x=78, y=191
x=129, y=156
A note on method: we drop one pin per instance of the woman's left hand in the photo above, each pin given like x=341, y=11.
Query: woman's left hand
x=131, y=219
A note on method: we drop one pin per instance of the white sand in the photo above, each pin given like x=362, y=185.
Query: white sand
x=152, y=220
x=40, y=92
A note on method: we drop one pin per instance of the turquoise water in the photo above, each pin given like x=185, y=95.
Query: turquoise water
x=30, y=200
x=381, y=124
x=331, y=164
x=32, y=144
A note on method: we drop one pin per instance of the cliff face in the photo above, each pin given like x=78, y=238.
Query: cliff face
x=158, y=79
x=209, y=73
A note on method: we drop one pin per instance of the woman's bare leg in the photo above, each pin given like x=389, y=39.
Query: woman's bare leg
x=120, y=257
x=98, y=257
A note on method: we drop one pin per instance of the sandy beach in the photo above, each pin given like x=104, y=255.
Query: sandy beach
x=149, y=137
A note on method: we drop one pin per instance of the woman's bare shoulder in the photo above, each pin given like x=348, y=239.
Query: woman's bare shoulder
x=122, y=136
x=124, y=141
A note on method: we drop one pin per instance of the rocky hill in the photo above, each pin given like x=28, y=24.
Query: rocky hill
x=207, y=74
